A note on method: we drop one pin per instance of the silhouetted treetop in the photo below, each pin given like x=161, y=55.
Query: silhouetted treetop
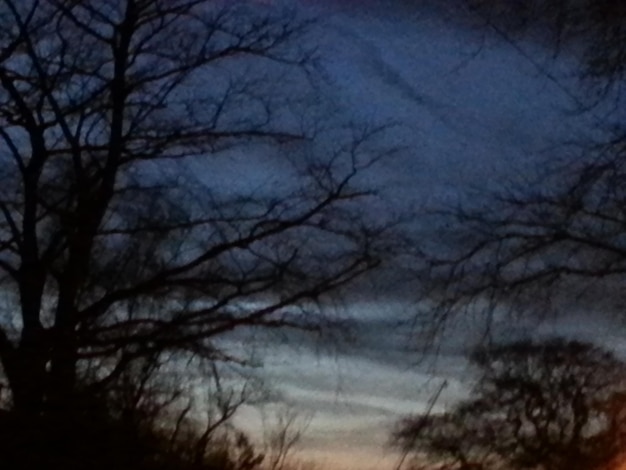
x=555, y=404
x=118, y=239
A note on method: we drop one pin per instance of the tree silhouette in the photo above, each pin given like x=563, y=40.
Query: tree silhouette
x=591, y=31
x=109, y=250
x=550, y=405
x=539, y=240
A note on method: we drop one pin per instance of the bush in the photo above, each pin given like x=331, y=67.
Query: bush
x=139, y=423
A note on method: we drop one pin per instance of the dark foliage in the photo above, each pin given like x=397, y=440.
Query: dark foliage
x=554, y=405
x=140, y=422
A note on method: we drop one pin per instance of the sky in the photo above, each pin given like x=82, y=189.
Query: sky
x=471, y=111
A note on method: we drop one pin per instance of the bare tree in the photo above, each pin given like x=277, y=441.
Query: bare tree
x=554, y=236
x=591, y=31
x=282, y=434
x=558, y=242
x=153, y=418
x=108, y=254
x=550, y=405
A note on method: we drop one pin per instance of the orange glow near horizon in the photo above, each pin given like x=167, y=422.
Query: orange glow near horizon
x=619, y=465
x=336, y=459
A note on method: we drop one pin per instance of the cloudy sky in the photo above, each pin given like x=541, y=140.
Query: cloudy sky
x=471, y=110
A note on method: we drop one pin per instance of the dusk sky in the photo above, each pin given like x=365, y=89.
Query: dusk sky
x=313, y=234
x=472, y=110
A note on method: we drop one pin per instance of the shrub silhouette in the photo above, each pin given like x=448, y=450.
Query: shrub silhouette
x=96, y=439
x=135, y=424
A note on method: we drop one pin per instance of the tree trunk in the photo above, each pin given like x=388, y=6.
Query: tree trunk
x=62, y=375
x=25, y=368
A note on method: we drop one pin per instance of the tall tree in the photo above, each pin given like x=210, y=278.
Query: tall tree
x=108, y=251
x=556, y=234
x=551, y=405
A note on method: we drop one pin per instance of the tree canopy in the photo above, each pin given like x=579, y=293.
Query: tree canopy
x=552, y=405
x=553, y=236
x=118, y=238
